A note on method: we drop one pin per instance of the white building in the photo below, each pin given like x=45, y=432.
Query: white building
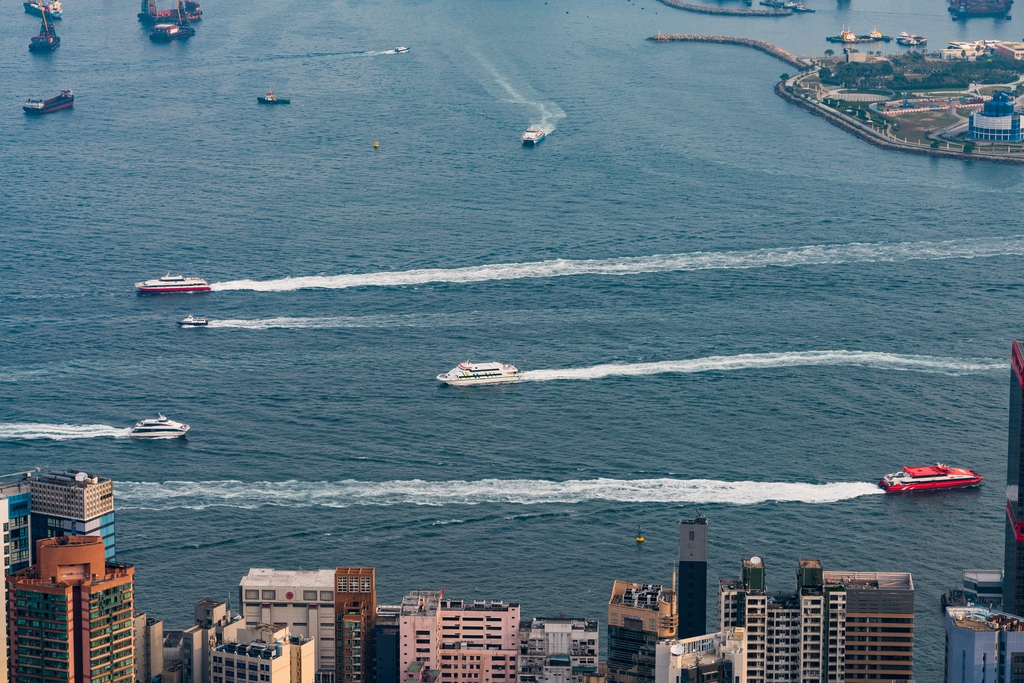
x=557, y=650
x=303, y=600
x=983, y=645
x=717, y=656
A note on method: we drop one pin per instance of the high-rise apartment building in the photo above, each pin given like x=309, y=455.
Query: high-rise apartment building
x=15, y=505
x=419, y=630
x=1013, y=567
x=692, y=594
x=983, y=645
x=386, y=643
x=72, y=503
x=71, y=615
x=639, y=615
x=149, y=648
x=214, y=625
x=355, y=610
x=263, y=654
x=479, y=643
x=303, y=600
x=836, y=626
x=557, y=650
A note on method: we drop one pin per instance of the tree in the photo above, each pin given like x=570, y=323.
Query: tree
x=935, y=144
x=784, y=77
x=968, y=147
x=829, y=52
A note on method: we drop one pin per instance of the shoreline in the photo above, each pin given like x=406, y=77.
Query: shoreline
x=705, y=9
x=759, y=45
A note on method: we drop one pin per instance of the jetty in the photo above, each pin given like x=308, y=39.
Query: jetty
x=760, y=45
x=704, y=9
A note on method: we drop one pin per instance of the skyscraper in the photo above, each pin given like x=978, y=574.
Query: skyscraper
x=73, y=503
x=1013, y=575
x=355, y=610
x=639, y=615
x=72, y=615
x=692, y=594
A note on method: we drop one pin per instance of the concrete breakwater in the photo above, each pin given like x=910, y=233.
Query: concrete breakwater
x=767, y=48
x=704, y=9
x=854, y=127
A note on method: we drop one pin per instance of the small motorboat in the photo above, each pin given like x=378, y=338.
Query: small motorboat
x=160, y=428
x=400, y=49
x=194, y=321
x=271, y=98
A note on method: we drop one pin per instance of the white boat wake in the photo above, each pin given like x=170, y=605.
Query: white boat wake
x=746, y=361
x=198, y=495
x=62, y=432
x=786, y=257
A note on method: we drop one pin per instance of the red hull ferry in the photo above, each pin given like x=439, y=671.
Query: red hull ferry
x=173, y=284
x=936, y=476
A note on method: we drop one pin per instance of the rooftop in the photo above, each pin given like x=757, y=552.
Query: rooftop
x=421, y=603
x=478, y=605
x=288, y=578
x=639, y=595
x=69, y=478
x=994, y=576
x=870, y=580
x=539, y=622
x=984, y=619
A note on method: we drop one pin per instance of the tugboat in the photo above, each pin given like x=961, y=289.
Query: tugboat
x=271, y=98
x=165, y=33
x=62, y=101
x=533, y=136
x=800, y=8
x=173, y=284
x=47, y=40
x=36, y=7
x=194, y=321
x=937, y=476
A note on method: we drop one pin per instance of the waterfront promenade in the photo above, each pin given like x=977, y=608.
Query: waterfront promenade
x=704, y=9
x=765, y=47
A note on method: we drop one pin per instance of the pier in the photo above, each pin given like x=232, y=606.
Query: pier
x=767, y=48
x=704, y=9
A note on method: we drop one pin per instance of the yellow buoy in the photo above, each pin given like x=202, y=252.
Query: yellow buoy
x=376, y=144
x=639, y=535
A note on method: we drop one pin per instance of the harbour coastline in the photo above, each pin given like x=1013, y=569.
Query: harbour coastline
x=705, y=9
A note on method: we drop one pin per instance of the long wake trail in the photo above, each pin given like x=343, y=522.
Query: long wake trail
x=747, y=361
x=59, y=432
x=785, y=257
x=199, y=495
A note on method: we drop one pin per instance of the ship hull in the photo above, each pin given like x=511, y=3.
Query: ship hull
x=36, y=12
x=172, y=290
x=930, y=485
x=48, y=109
x=44, y=46
x=466, y=382
x=534, y=143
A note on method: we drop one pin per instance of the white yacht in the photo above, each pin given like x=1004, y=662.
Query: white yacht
x=173, y=283
x=194, y=321
x=533, y=135
x=471, y=374
x=160, y=428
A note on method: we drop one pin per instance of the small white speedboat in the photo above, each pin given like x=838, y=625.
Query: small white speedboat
x=400, y=49
x=159, y=428
x=194, y=321
x=474, y=374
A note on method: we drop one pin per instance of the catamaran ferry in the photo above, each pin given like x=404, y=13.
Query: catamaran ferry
x=473, y=374
x=173, y=283
x=936, y=476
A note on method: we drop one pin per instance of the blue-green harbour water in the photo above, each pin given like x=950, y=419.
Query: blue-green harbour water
x=319, y=437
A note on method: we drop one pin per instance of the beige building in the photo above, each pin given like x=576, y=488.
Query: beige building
x=214, y=626
x=149, y=648
x=264, y=653
x=557, y=650
x=303, y=600
x=639, y=615
x=713, y=657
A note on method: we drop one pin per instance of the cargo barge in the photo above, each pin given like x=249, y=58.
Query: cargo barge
x=62, y=101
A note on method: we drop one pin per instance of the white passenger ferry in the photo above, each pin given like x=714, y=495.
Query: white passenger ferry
x=173, y=283
x=533, y=135
x=159, y=428
x=472, y=374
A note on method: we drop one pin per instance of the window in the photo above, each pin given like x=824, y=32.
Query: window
x=691, y=535
x=326, y=596
x=252, y=594
x=270, y=595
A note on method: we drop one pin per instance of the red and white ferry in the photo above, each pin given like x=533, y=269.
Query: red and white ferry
x=173, y=284
x=937, y=476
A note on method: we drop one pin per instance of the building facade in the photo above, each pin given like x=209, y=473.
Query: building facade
x=386, y=643
x=303, y=600
x=639, y=615
x=983, y=646
x=692, y=607
x=149, y=648
x=714, y=658
x=1013, y=564
x=264, y=654
x=557, y=650
x=15, y=506
x=836, y=626
x=214, y=625
x=72, y=615
x=479, y=643
x=355, y=611
x=72, y=503
x=998, y=121
x=419, y=629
